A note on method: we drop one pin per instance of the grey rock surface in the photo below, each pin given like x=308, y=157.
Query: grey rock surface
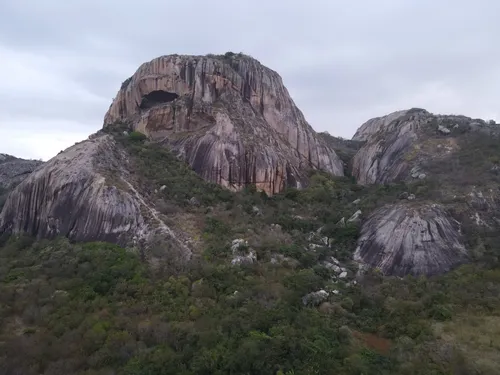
x=397, y=145
x=86, y=194
x=405, y=238
x=377, y=124
x=382, y=158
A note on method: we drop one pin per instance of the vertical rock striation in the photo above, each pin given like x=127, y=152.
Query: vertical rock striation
x=85, y=193
x=388, y=139
x=229, y=117
x=404, y=239
x=399, y=145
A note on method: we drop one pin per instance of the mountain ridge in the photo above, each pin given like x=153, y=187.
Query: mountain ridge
x=215, y=96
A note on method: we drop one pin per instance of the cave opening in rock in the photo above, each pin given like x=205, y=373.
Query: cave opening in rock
x=157, y=97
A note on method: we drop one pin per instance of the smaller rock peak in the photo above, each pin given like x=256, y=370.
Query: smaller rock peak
x=377, y=124
x=6, y=158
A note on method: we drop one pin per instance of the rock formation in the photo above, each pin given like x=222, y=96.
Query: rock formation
x=453, y=158
x=417, y=239
x=399, y=145
x=377, y=124
x=86, y=194
x=13, y=170
x=232, y=120
x=382, y=157
x=229, y=117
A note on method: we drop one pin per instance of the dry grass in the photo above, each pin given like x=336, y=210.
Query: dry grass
x=192, y=225
x=379, y=344
x=14, y=326
x=477, y=336
x=438, y=147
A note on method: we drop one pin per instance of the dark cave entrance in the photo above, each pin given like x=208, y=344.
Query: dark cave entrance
x=157, y=97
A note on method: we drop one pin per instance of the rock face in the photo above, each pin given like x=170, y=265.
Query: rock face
x=454, y=160
x=377, y=124
x=407, y=239
x=388, y=139
x=85, y=194
x=229, y=117
x=13, y=170
x=397, y=145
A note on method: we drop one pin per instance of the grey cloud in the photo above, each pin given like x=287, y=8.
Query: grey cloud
x=100, y=81
x=38, y=108
x=343, y=62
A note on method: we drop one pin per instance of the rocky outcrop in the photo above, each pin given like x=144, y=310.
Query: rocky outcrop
x=406, y=238
x=229, y=117
x=399, y=145
x=383, y=157
x=13, y=170
x=378, y=124
x=454, y=159
x=85, y=193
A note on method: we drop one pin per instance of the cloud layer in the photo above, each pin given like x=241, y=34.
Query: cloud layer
x=343, y=62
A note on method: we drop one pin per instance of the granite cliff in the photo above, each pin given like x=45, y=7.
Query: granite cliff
x=12, y=171
x=229, y=117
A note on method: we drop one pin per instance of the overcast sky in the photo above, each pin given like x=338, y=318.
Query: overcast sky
x=62, y=62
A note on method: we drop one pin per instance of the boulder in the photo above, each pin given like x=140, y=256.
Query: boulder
x=406, y=238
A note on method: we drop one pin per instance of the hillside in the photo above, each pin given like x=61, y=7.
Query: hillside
x=243, y=302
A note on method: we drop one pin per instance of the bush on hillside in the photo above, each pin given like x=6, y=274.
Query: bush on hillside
x=137, y=136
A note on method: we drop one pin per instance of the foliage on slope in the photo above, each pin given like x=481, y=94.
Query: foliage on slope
x=87, y=309
x=98, y=309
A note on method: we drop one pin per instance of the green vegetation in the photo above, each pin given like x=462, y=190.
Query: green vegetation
x=472, y=162
x=228, y=56
x=137, y=136
x=345, y=148
x=90, y=308
x=96, y=309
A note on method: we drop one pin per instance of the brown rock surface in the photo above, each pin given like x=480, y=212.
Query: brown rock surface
x=229, y=117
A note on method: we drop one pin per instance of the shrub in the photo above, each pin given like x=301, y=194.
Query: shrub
x=137, y=136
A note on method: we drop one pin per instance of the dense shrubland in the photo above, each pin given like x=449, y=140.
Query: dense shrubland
x=97, y=309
